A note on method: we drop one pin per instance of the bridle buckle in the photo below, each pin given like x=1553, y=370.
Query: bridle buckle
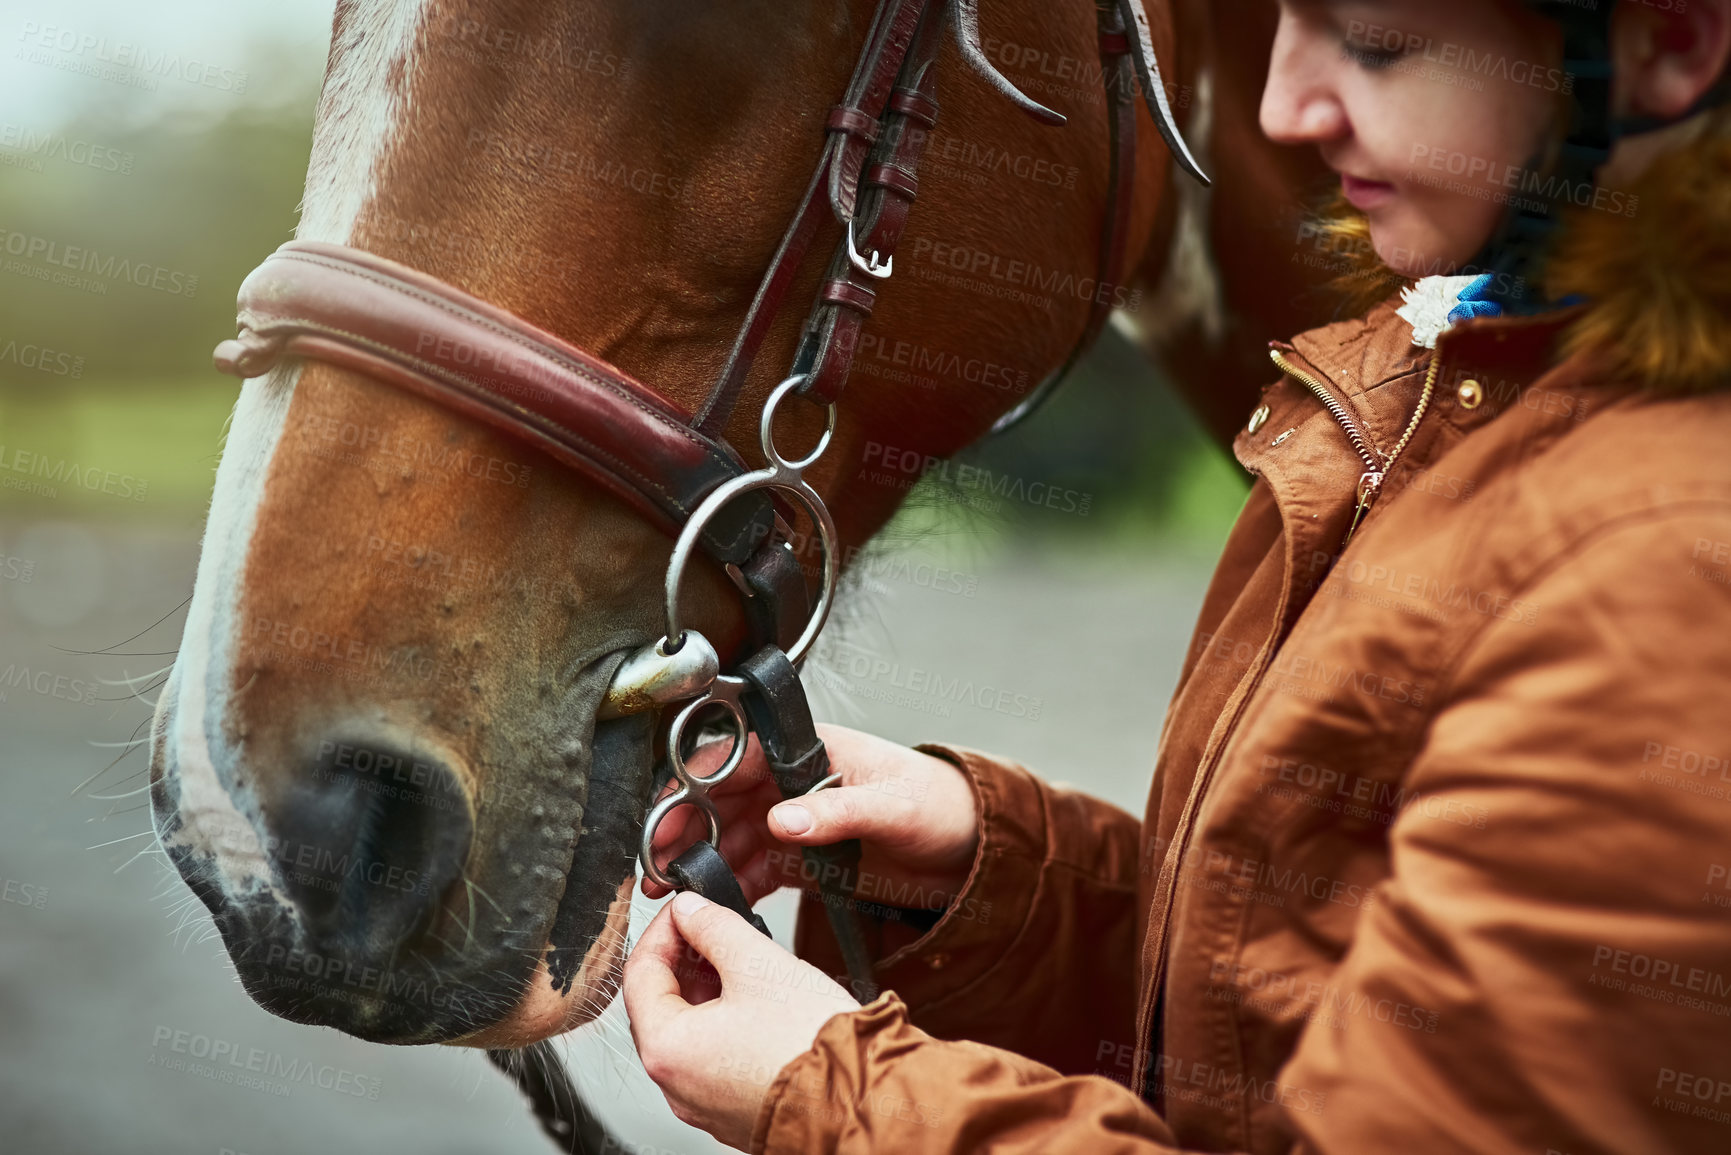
x=871, y=267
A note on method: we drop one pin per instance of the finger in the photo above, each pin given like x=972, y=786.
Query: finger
x=773, y=867
x=753, y=769
x=742, y=808
x=688, y=826
x=740, y=791
x=746, y=809
x=725, y=940
x=740, y=841
x=651, y=983
x=706, y=759
x=844, y=812
x=754, y=882
x=681, y=826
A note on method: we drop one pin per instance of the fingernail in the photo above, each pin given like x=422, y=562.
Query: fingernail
x=794, y=818
x=689, y=902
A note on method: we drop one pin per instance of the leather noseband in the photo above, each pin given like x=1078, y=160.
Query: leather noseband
x=350, y=308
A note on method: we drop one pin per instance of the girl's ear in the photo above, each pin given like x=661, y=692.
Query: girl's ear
x=1666, y=60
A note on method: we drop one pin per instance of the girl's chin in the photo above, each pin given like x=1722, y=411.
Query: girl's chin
x=1418, y=253
x=1417, y=243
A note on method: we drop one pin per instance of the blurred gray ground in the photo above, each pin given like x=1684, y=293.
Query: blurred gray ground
x=105, y=1008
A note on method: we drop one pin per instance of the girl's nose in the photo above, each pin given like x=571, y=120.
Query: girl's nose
x=1299, y=102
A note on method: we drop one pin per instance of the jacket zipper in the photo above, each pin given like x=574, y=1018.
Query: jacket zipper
x=1377, y=466
x=1376, y=463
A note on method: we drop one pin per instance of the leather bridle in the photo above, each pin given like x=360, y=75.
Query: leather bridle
x=350, y=308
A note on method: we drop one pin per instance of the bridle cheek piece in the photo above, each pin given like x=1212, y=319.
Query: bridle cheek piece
x=725, y=690
x=359, y=311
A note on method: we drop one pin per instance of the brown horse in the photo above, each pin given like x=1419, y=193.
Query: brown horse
x=376, y=758
x=1260, y=270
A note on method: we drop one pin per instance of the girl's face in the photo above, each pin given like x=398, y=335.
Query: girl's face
x=1431, y=113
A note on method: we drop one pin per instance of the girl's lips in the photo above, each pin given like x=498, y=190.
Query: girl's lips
x=1366, y=194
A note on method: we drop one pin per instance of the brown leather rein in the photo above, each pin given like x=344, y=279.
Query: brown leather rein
x=339, y=305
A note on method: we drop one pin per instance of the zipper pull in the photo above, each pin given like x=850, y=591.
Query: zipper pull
x=1369, y=485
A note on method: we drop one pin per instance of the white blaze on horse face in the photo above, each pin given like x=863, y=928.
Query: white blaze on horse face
x=363, y=102
x=215, y=823
x=359, y=111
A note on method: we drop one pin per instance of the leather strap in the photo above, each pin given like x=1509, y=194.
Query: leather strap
x=853, y=122
x=968, y=37
x=539, y=1073
x=712, y=417
x=884, y=203
x=701, y=868
x=892, y=34
x=858, y=298
x=1141, y=39
x=1118, y=76
x=779, y=714
x=777, y=602
x=1118, y=69
x=915, y=105
x=351, y=308
x=853, y=127
x=898, y=180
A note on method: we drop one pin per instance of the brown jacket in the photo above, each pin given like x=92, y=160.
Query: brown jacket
x=1438, y=852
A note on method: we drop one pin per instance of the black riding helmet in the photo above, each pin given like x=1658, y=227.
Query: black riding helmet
x=1571, y=168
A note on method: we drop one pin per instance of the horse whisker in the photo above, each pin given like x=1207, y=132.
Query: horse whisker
x=128, y=679
x=122, y=838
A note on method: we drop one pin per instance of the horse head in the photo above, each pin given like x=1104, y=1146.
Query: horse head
x=377, y=760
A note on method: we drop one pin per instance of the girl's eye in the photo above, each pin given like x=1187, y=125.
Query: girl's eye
x=1371, y=59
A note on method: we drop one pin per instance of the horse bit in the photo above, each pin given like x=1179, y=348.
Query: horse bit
x=343, y=306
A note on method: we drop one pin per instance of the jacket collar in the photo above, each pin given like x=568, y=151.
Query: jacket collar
x=1372, y=367
x=1486, y=367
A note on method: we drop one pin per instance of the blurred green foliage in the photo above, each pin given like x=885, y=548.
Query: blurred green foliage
x=106, y=373
x=204, y=197
x=126, y=383
x=1116, y=433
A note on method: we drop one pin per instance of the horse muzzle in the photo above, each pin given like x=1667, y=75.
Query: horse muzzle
x=361, y=886
x=367, y=838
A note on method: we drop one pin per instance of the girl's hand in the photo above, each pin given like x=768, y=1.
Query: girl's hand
x=914, y=814
x=717, y=1010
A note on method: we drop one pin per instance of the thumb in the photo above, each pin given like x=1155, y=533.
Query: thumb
x=840, y=813
x=722, y=938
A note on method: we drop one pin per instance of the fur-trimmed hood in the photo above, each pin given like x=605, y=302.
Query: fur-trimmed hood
x=1658, y=282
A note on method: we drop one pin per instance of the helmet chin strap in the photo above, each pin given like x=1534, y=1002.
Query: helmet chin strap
x=1515, y=254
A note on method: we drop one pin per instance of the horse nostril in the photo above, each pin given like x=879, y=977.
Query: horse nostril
x=365, y=841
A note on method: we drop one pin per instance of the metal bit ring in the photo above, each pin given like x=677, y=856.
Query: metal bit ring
x=785, y=477
x=693, y=790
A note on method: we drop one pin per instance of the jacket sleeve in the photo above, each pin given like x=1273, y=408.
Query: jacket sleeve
x=1557, y=914
x=872, y=1082
x=1038, y=952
